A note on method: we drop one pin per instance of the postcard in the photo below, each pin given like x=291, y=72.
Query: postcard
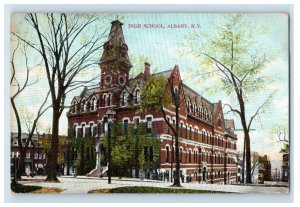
x=149, y=103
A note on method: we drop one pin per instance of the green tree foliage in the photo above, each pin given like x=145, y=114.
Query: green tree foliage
x=86, y=156
x=127, y=149
x=45, y=143
x=155, y=94
x=158, y=93
x=232, y=61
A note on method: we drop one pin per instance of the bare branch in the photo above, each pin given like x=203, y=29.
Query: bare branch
x=258, y=110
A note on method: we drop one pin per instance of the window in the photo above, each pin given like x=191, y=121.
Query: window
x=74, y=131
x=176, y=94
x=138, y=96
x=91, y=130
x=12, y=154
x=27, y=155
x=146, y=155
x=190, y=156
x=99, y=128
x=219, y=121
x=137, y=125
x=82, y=108
x=181, y=128
x=109, y=100
x=168, y=128
x=167, y=153
x=151, y=153
x=94, y=104
x=108, y=79
x=195, y=134
x=15, y=142
x=121, y=80
x=186, y=131
x=190, y=132
x=36, y=156
x=83, y=130
x=105, y=99
x=126, y=126
x=124, y=99
x=180, y=155
x=149, y=125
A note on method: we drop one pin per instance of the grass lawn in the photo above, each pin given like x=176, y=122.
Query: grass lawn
x=137, y=189
x=19, y=188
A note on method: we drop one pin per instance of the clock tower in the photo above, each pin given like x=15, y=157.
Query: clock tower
x=114, y=62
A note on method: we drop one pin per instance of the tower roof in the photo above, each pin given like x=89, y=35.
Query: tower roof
x=115, y=48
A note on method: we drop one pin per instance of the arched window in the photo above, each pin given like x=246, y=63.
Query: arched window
x=176, y=93
x=167, y=154
x=195, y=134
x=188, y=106
x=124, y=98
x=82, y=108
x=109, y=99
x=88, y=106
x=201, y=113
x=190, y=156
x=94, y=104
x=138, y=95
x=105, y=99
x=194, y=110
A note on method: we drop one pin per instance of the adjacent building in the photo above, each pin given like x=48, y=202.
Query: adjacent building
x=207, y=146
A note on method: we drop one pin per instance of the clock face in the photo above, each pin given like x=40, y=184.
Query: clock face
x=121, y=80
x=108, y=79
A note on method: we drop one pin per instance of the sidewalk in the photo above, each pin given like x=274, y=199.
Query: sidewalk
x=83, y=184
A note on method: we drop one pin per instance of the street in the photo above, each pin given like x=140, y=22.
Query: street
x=83, y=184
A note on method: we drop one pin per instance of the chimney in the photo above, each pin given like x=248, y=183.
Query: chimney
x=147, y=71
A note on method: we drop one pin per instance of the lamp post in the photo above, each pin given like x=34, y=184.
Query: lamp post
x=108, y=120
x=172, y=159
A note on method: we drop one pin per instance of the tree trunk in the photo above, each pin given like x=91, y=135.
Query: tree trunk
x=248, y=159
x=247, y=139
x=52, y=177
x=20, y=166
x=177, y=172
x=243, y=166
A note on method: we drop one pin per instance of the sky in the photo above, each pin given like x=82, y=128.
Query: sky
x=163, y=47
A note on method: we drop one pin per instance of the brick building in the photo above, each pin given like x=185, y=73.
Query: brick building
x=35, y=159
x=207, y=140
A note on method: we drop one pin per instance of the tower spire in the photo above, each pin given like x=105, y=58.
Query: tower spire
x=115, y=47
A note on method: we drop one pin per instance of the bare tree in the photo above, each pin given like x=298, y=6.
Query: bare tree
x=22, y=117
x=281, y=133
x=67, y=44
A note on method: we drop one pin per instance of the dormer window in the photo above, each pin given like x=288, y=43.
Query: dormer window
x=219, y=121
x=138, y=96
